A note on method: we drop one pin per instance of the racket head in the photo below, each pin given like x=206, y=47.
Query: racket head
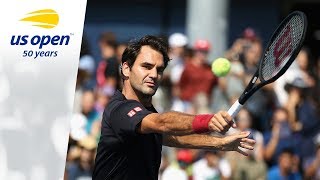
x=283, y=47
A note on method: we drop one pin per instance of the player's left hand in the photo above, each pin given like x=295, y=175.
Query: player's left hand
x=238, y=142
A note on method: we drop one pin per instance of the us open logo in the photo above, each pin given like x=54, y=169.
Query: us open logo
x=46, y=19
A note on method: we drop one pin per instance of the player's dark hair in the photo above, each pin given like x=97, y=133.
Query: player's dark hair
x=134, y=47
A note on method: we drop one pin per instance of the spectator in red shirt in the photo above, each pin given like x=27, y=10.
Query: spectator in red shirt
x=197, y=76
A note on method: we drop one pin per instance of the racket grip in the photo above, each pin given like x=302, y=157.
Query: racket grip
x=235, y=108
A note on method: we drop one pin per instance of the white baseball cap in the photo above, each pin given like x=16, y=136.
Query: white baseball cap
x=86, y=63
x=178, y=40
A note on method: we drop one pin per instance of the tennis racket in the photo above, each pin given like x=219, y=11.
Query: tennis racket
x=279, y=54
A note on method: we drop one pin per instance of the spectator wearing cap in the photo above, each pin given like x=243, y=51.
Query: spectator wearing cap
x=197, y=76
x=252, y=50
x=87, y=64
x=303, y=115
x=211, y=166
x=177, y=44
x=177, y=170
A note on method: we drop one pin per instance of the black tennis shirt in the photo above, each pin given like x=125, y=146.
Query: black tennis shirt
x=122, y=152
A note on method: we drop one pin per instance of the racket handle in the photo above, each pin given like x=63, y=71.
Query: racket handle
x=235, y=108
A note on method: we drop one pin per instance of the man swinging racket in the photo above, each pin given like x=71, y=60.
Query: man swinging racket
x=132, y=132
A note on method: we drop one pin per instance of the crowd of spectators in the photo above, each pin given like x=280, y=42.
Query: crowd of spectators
x=283, y=117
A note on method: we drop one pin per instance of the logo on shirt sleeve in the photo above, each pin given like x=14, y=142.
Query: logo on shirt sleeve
x=133, y=111
x=137, y=109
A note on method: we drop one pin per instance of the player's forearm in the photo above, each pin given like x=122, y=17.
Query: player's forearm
x=194, y=141
x=174, y=123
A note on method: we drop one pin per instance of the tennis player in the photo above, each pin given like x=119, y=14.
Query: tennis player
x=132, y=132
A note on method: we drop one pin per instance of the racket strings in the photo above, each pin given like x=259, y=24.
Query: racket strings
x=282, y=47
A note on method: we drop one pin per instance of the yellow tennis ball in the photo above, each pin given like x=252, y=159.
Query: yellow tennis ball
x=221, y=67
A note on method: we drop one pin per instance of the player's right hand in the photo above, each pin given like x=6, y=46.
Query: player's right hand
x=221, y=122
